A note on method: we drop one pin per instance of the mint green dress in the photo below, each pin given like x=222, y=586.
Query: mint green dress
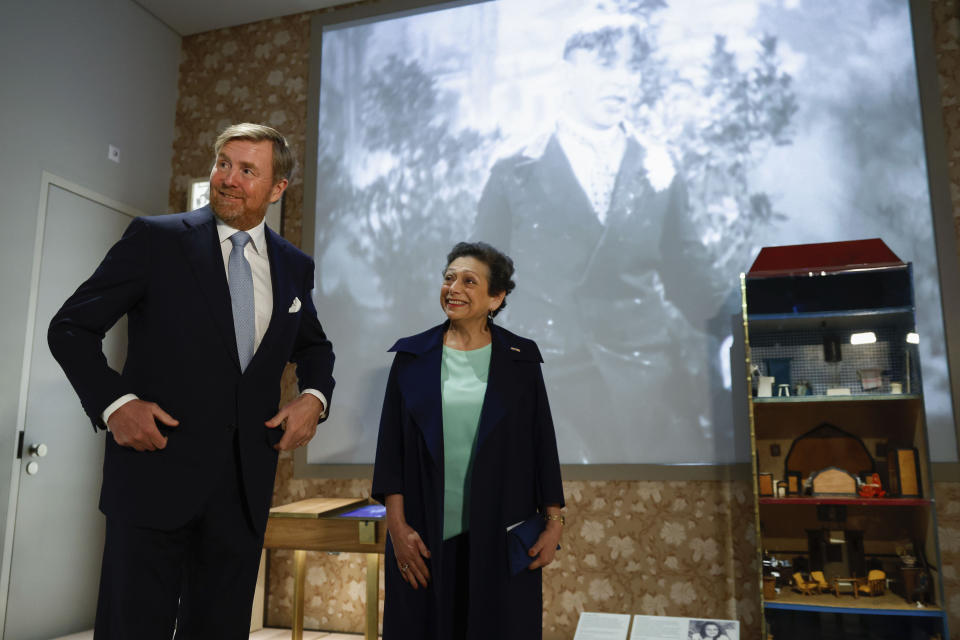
x=463, y=384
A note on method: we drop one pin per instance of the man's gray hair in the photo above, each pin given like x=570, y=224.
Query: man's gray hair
x=282, y=156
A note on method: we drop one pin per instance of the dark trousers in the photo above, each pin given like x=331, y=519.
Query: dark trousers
x=455, y=598
x=199, y=577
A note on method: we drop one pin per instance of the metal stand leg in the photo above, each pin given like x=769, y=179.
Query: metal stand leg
x=299, y=578
x=373, y=595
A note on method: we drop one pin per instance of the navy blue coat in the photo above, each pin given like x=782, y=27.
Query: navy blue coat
x=516, y=473
x=166, y=274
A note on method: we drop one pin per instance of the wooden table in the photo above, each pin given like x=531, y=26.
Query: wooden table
x=317, y=524
x=846, y=582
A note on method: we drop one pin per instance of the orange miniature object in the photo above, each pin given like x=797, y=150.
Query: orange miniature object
x=872, y=489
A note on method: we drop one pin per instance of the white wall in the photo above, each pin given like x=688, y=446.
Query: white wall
x=75, y=76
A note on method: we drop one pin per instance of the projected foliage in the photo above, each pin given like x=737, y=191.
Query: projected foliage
x=426, y=192
x=786, y=123
x=431, y=173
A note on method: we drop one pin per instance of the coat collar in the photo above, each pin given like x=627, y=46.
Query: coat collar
x=421, y=387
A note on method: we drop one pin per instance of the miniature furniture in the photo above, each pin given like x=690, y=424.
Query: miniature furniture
x=805, y=587
x=821, y=580
x=874, y=584
x=834, y=482
x=914, y=589
x=769, y=588
x=845, y=582
x=828, y=445
x=838, y=320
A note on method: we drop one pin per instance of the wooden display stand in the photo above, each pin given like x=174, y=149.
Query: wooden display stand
x=316, y=524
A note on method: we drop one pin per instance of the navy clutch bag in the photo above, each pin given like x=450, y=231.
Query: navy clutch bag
x=519, y=540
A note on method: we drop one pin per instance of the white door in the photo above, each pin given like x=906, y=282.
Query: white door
x=54, y=563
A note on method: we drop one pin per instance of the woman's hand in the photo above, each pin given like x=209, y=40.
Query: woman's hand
x=410, y=551
x=545, y=548
x=408, y=547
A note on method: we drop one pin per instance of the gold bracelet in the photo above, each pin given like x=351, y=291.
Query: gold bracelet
x=555, y=516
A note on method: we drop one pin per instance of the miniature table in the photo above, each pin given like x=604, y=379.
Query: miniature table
x=845, y=582
x=328, y=524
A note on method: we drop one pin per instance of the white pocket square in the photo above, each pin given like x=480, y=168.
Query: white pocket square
x=294, y=306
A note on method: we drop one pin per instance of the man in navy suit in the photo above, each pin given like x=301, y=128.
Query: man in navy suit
x=217, y=304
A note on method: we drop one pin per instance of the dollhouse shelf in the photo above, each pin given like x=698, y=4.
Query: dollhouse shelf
x=928, y=611
x=831, y=399
x=852, y=319
x=863, y=502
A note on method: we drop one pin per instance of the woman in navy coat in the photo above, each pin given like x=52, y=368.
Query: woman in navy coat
x=466, y=451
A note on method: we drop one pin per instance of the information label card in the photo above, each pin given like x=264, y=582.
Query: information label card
x=664, y=628
x=602, y=626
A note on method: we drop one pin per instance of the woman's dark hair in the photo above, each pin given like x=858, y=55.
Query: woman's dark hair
x=499, y=263
x=703, y=627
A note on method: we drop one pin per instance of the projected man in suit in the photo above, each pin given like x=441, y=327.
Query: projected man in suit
x=600, y=223
x=217, y=304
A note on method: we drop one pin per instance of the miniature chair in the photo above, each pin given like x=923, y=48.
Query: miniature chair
x=821, y=580
x=874, y=584
x=805, y=587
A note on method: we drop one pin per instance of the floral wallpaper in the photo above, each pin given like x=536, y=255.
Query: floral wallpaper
x=252, y=73
x=670, y=548
x=656, y=548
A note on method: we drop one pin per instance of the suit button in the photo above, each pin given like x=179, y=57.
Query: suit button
x=230, y=427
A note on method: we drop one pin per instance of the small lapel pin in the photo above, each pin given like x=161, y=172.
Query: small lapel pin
x=515, y=349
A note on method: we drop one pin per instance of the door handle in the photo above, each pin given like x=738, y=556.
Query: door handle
x=38, y=450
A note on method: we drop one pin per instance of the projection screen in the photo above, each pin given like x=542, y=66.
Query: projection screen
x=632, y=157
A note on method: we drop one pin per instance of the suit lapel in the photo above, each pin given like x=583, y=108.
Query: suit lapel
x=201, y=247
x=631, y=183
x=562, y=186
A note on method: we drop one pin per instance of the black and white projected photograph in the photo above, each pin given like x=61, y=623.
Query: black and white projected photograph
x=632, y=157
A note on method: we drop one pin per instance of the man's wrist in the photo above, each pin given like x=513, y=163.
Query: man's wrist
x=319, y=396
x=113, y=406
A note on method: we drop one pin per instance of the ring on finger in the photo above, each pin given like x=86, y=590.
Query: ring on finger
x=404, y=567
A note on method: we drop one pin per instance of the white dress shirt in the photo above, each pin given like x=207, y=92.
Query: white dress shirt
x=595, y=158
x=255, y=252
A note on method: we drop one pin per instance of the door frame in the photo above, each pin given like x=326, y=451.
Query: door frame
x=47, y=181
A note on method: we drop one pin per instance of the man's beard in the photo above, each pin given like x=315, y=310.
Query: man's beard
x=234, y=212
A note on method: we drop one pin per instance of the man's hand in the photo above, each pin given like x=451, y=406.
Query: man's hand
x=133, y=425
x=299, y=418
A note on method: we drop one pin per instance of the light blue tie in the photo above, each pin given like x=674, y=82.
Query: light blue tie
x=241, y=297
